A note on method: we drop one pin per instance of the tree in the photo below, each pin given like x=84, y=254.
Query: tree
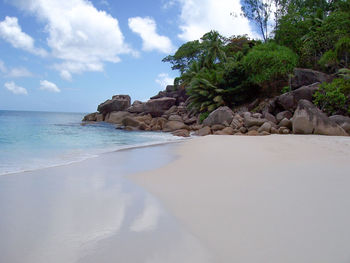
x=259, y=12
x=185, y=56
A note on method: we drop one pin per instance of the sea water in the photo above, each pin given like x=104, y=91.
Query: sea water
x=34, y=140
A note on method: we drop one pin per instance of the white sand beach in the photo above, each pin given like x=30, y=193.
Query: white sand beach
x=261, y=199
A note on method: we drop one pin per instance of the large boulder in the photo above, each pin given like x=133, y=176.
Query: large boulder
x=305, y=77
x=308, y=119
x=171, y=126
x=178, y=93
x=222, y=115
x=203, y=131
x=250, y=121
x=137, y=107
x=289, y=101
x=117, y=103
x=131, y=122
x=342, y=121
x=90, y=117
x=157, y=107
x=117, y=117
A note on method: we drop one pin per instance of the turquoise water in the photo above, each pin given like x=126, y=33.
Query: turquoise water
x=33, y=140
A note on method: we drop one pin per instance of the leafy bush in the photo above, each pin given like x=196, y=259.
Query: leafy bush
x=285, y=90
x=331, y=97
x=203, y=116
x=269, y=62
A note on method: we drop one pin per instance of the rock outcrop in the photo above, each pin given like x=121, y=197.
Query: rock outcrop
x=117, y=103
x=179, y=94
x=157, y=107
x=222, y=115
x=308, y=119
x=289, y=101
x=342, y=121
x=305, y=77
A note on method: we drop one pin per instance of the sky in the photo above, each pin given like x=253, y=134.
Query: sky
x=69, y=56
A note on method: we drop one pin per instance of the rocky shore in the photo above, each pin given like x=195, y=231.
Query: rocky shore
x=289, y=113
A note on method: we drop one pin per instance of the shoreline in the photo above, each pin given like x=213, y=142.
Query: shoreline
x=97, y=155
x=278, y=198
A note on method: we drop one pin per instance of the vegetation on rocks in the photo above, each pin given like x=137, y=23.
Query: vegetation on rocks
x=219, y=71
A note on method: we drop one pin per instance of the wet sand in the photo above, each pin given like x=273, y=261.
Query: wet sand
x=90, y=212
x=266, y=199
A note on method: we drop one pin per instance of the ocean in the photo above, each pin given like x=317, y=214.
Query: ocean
x=34, y=140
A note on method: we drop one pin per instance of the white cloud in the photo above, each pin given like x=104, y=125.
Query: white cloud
x=200, y=16
x=164, y=80
x=146, y=28
x=11, y=86
x=83, y=37
x=49, y=86
x=19, y=72
x=12, y=32
x=3, y=68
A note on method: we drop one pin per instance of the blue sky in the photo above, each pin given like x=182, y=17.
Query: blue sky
x=71, y=55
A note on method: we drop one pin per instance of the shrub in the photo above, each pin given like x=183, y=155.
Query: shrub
x=285, y=90
x=269, y=62
x=331, y=97
x=203, y=116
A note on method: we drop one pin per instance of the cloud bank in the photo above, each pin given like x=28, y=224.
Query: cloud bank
x=12, y=87
x=146, y=28
x=12, y=32
x=200, y=16
x=83, y=37
x=49, y=86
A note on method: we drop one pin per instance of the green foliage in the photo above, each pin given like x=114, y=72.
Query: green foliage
x=204, y=91
x=344, y=73
x=331, y=97
x=269, y=62
x=342, y=49
x=187, y=54
x=285, y=89
x=329, y=60
x=203, y=116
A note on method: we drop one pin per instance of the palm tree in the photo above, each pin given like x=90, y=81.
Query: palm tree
x=214, y=47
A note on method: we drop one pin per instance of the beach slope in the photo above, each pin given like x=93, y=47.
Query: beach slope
x=261, y=199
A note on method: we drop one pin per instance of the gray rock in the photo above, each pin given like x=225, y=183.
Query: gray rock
x=304, y=77
x=175, y=118
x=137, y=107
x=99, y=117
x=181, y=133
x=289, y=101
x=171, y=126
x=157, y=107
x=203, y=131
x=236, y=124
x=274, y=130
x=90, y=117
x=268, y=116
x=217, y=127
x=219, y=116
x=117, y=103
x=257, y=115
x=131, y=122
x=250, y=121
x=284, y=114
x=117, y=117
x=266, y=127
x=286, y=123
x=308, y=119
x=243, y=130
x=342, y=121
